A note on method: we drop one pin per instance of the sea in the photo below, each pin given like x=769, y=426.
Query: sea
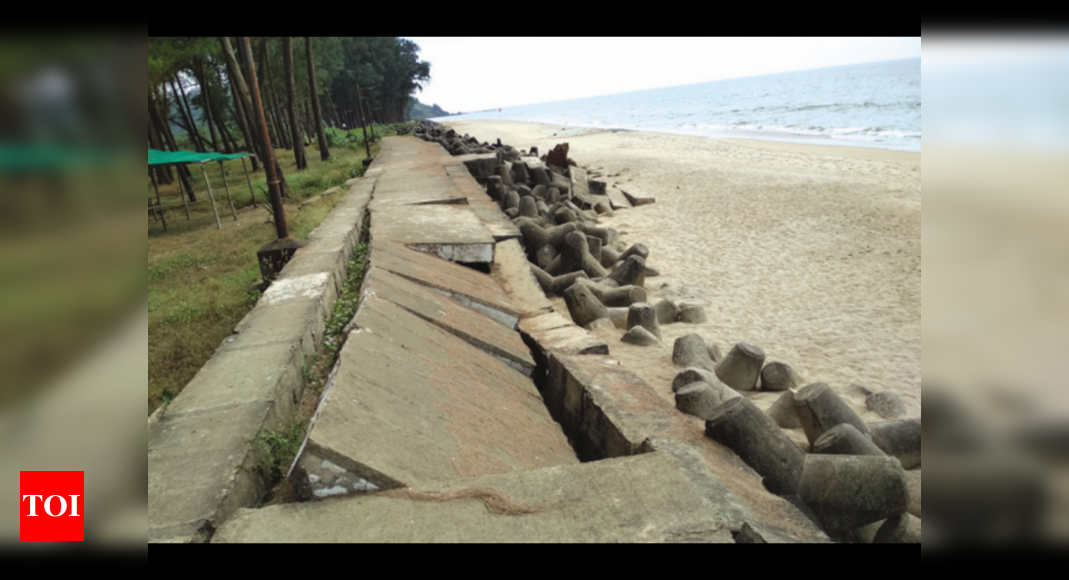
x=873, y=104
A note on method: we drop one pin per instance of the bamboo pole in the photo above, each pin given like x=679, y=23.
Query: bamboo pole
x=227, y=185
x=248, y=179
x=218, y=224
x=185, y=196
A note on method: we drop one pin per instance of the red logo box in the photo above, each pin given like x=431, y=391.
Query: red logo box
x=51, y=506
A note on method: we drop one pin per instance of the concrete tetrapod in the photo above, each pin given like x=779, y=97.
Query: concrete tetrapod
x=819, y=408
x=510, y=200
x=639, y=336
x=900, y=438
x=742, y=427
x=741, y=367
x=847, y=492
x=667, y=311
x=777, y=376
x=494, y=188
x=583, y=306
x=609, y=256
x=556, y=285
x=632, y=271
x=691, y=351
x=593, y=244
x=698, y=399
x=623, y=296
x=575, y=256
x=693, y=375
x=528, y=207
x=692, y=313
x=782, y=411
x=642, y=314
x=902, y=529
x=844, y=439
x=886, y=404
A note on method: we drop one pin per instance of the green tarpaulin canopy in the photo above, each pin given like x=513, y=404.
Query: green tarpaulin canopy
x=176, y=157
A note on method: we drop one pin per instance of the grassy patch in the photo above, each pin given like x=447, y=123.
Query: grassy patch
x=280, y=447
x=199, y=277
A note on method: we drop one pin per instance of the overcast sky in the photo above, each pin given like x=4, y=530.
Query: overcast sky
x=473, y=74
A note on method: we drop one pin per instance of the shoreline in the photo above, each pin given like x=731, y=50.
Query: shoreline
x=810, y=252
x=721, y=135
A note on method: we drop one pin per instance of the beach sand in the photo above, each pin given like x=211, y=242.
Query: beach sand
x=811, y=252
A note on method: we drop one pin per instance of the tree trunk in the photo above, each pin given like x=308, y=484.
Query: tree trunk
x=291, y=94
x=184, y=174
x=334, y=111
x=242, y=99
x=306, y=122
x=187, y=112
x=183, y=171
x=163, y=172
x=268, y=85
x=274, y=131
x=206, y=96
x=246, y=100
x=239, y=117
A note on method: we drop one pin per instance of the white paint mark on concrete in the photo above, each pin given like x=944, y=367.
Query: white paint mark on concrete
x=333, y=467
x=336, y=490
x=313, y=478
x=308, y=286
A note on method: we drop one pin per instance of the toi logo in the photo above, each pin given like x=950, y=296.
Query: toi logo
x=51, y=506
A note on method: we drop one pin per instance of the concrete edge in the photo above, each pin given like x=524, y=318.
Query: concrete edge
x=244, y=486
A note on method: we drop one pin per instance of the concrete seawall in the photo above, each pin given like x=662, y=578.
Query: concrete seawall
x=201, y=464
x=463, y=407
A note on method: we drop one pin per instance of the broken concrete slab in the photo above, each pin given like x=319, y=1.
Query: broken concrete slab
x=413, y=404
x=617, y=198
x=474, y=327
x=512, y=272
x=636, y=197
x=473, y=289
x=552, y=333
x=454, y=233
x=606, y=410
x=648, y=498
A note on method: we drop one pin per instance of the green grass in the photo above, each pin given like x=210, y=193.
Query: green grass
x=199, y=277
x=280, y=447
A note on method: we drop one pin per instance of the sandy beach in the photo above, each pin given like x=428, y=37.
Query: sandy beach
x=811, y=252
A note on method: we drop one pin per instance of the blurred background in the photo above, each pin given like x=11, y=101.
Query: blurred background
x=996, y=287
x=73, y=331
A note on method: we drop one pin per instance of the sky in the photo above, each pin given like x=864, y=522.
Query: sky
x=474, y=74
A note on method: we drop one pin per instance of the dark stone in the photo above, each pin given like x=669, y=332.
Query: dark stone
x=820, y=408
x=847, y=492
x=742, y=366
x=741, y=426
x=900, y=438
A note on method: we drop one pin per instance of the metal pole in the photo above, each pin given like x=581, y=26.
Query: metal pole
x=281, y=228
x=363, y=121
x=158, y=203
x=230, y=199
x=248, y=179
x=218, y=224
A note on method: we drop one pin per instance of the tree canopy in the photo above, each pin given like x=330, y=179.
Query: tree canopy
x=190, y=83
